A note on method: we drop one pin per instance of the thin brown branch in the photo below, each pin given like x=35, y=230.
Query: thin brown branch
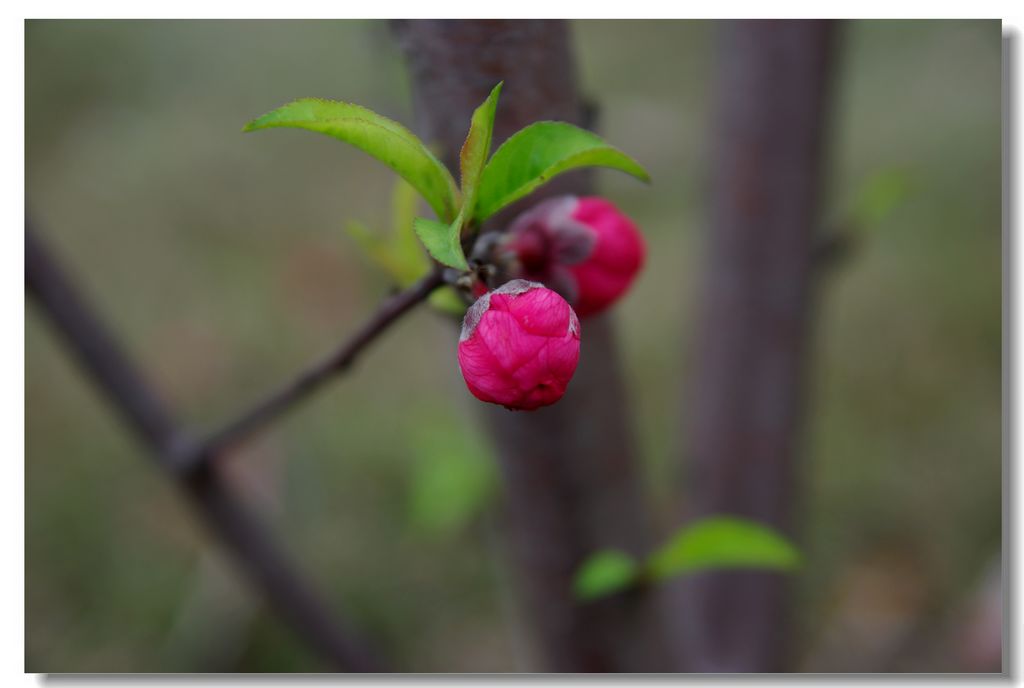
x=313, y=378
x=224, y=513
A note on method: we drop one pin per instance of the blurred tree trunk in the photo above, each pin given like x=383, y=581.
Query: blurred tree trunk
x=755, y=307
x=571, y=475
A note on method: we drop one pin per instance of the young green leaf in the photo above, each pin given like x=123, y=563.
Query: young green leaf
x=384, y=139
x=534, y=155
x=442, y=241
x=452, y=477
x=722, y=542
x=408, y=251
x=447, y=300
x=604, y=573
x=403, y=266
x=447, y=246
x=377, y=249
x=880, y=194
x=399, y=253
x=404, y=243
x=475, y=150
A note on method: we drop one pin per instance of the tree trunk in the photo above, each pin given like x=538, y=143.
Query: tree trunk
x=570, y=472
x=753, y=324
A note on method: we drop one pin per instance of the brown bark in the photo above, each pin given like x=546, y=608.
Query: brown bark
x=747, y=389
x=571, y=474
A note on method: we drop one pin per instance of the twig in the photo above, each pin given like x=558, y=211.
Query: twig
x=237, y=528
x=311, y=379
x=95, y=349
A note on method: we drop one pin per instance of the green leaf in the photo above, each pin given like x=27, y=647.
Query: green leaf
x=384, y=139
x=534, y=155
x=722, y=542
x=452, y=477
x=604, y=573
x=442, y=241
x=403, y=208
x=447, y=300
x=880, y=194
x=446, y=244
x=475, y=150
x=377, y=249
x=400, y=254
x=405, y=246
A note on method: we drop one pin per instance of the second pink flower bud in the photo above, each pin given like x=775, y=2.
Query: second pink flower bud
x=583, y=248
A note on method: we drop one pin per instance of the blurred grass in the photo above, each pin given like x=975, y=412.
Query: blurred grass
x=221, y=260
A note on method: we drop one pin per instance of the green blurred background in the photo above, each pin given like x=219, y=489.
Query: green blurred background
x=221, y=260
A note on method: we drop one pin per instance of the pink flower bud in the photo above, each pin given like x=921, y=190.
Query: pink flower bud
x=519, y=346
x=583, y=248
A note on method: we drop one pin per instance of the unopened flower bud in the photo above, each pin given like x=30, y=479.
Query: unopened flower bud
x=519, y=346
x=583, y=248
